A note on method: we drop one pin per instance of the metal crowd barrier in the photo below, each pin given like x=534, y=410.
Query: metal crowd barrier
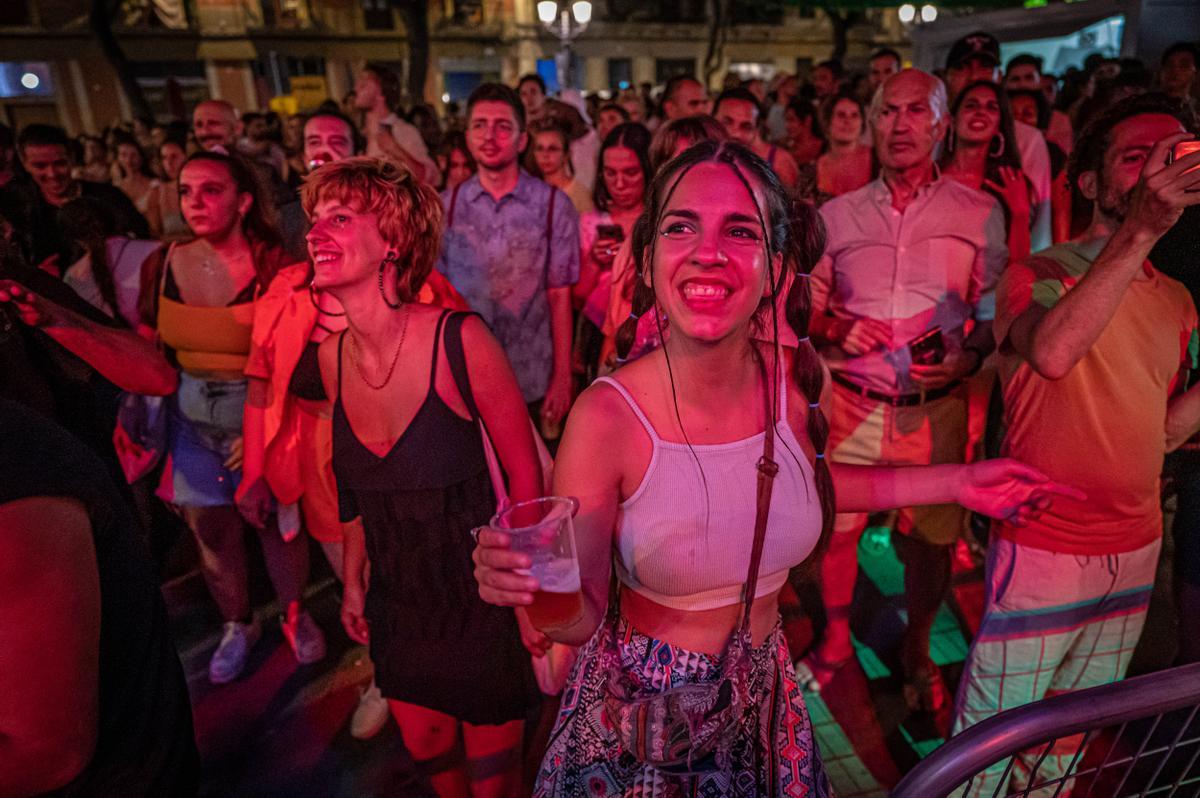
x=1138, y=737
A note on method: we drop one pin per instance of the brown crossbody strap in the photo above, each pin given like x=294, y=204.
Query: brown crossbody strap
x=767, y=469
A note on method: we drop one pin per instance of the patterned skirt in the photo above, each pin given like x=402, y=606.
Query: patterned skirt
x=773, y=752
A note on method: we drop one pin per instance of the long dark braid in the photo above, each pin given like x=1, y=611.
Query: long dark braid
x=793, y=229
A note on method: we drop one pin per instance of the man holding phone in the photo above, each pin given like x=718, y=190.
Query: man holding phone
x=911, y=257
x=1096, y=346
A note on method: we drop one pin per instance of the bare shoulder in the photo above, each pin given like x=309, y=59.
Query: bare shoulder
x=601, y=413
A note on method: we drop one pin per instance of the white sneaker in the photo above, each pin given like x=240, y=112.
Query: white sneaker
x=230, y=657
x=370, y=715
x=303, y=635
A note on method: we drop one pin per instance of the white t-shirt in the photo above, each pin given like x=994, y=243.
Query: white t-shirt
x=1035, y=162
x=125, y=259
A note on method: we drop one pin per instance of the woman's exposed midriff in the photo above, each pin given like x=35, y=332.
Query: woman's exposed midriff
x=704, y=631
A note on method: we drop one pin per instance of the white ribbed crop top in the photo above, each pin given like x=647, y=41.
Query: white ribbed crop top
x=668, y=555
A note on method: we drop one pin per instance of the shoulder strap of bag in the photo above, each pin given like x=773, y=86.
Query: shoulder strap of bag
x=453, y=204
x=549, y=237
x=767, y=469
x=456, y=359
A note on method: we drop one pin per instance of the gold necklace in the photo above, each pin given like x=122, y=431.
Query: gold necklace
x=395, y=358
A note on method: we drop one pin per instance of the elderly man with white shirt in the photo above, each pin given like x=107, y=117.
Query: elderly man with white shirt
x=910, y=256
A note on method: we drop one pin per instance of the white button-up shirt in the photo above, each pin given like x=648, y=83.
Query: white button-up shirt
x=935, y=263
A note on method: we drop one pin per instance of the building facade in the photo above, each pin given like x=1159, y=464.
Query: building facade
x=297, y=52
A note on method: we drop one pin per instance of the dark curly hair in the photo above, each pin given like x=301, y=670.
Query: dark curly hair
x=1094, y=141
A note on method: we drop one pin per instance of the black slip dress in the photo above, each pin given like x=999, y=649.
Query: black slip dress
x=434, y=642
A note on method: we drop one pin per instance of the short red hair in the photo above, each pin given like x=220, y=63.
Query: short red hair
x=409, y=211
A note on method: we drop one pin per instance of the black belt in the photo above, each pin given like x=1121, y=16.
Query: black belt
x=895, y=400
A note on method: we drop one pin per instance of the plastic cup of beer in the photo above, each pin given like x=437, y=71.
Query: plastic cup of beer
x=542, y=528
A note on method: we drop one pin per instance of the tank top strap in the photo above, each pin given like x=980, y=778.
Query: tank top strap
x=633, y=405
x=437, y=340
x=341, y=340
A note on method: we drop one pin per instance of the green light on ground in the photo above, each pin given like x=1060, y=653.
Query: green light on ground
x=1035, y=3
x=871, y=664
x=923, y=747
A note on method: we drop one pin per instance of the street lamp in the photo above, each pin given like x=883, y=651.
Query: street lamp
x=908, y=13
x=567, y=22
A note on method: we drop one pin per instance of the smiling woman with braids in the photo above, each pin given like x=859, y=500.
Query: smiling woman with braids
x=664, y=459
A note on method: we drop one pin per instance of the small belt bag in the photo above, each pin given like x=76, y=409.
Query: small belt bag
x=677, y=728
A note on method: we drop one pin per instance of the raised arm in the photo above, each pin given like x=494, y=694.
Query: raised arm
x=1054, y=340
x=125, y=358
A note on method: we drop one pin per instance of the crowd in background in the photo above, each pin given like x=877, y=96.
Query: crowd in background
x=992, y=258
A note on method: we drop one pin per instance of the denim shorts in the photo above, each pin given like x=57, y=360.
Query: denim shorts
x=204, y=420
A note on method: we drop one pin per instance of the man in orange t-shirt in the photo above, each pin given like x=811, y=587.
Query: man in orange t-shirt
x=1095, y=344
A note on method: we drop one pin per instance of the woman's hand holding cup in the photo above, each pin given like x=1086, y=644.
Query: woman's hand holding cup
x=497, y=570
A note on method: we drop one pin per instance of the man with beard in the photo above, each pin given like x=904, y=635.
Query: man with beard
x=1095, y=347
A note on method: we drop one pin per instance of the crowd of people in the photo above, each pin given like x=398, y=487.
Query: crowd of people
x=740, y=320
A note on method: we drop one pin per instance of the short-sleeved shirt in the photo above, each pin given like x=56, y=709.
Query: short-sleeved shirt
x=1100, y=428
x=935, y=263
x=494, y=253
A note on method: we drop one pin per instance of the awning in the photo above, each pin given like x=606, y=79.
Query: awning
x=931, y=42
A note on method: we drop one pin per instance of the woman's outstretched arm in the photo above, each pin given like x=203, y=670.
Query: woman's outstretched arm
x=125, y=358
x=1003, y=488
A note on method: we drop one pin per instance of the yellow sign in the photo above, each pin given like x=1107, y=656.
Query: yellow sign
x=309, y=91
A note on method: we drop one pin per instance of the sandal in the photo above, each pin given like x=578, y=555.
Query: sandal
x=924, y=688
x=814, y=671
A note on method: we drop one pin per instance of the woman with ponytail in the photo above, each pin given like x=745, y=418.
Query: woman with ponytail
x=664, y=459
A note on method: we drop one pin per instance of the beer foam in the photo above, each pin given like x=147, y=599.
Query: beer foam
x=559, y=575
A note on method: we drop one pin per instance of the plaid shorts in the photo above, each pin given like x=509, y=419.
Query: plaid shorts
x=1052, y=623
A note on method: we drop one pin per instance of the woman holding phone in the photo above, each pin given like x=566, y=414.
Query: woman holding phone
x=620, y=194
x=665, y=459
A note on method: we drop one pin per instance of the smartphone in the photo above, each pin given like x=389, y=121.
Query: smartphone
x=613, y=231
x=1184, y=148
x=928, y=348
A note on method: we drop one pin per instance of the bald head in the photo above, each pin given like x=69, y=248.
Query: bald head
x=215, y=124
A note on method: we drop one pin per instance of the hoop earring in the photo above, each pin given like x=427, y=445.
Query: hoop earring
x=1003, y=145
x=383, y=293
x=312, y=297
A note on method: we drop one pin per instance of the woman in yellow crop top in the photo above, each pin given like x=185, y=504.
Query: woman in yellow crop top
x=716, y=244
x=197, y=308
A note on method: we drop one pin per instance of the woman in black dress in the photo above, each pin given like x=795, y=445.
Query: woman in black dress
x=413, y=481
